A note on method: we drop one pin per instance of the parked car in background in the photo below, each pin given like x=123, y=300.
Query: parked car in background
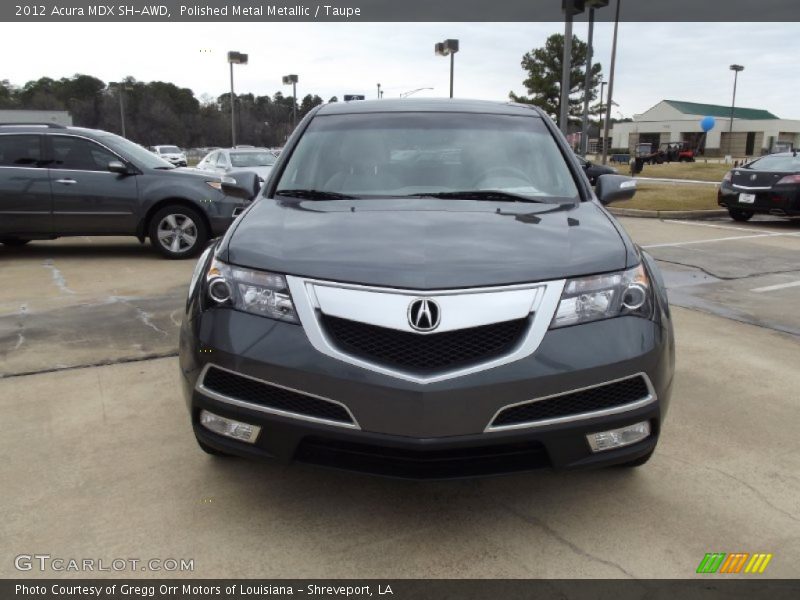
x=171, y=154
x=766, y=185
x=593, y=170
x=230, y=161
x=58, y=181
x=429, y=289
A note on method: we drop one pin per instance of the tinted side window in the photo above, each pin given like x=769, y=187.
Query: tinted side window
x=20, y=151
x=79, y=154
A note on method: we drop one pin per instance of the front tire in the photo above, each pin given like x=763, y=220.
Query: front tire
x=737, y=214
x=13, y=242
x=178, y=231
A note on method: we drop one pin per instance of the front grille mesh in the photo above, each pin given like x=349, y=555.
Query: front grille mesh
x=237, y=387
x=424, y=353
x=602, y=397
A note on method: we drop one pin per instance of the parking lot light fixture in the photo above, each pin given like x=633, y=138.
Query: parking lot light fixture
x=448, y=48
x=736, y=70
x=292, y=79
x=234, y=58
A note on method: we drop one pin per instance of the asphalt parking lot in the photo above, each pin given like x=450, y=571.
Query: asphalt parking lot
x=100, y=461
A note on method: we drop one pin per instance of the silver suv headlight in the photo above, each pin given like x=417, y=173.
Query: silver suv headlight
x=598, y=297
x=257, y=292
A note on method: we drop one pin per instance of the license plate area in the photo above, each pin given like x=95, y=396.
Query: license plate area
x=747, y=198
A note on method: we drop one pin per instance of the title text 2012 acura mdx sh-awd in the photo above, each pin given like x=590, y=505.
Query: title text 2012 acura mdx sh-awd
x=429, y=289
x=64, y=181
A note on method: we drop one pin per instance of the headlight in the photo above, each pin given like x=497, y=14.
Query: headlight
x=605, y=296
x=248, y=290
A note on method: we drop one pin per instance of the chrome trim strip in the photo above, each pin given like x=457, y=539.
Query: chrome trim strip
x=199, y=387
x=650, y=398
x=747, y=187
x=307, y=308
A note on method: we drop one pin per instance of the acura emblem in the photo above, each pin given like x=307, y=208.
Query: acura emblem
x=423, y=314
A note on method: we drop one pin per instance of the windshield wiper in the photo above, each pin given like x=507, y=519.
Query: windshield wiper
x=315, y=195
x=163, y=168
x=496, y=195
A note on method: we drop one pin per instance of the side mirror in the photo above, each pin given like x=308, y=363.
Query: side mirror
x=244, y=185
x=116, y=166
x=611, y=188
x=587, y=164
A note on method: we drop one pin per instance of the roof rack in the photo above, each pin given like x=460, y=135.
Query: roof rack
x=49, y=125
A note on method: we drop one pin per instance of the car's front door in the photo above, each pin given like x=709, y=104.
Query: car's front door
x=25, y=199
x=87, y=197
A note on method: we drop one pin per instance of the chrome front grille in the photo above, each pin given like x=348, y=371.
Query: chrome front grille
x=424, y=353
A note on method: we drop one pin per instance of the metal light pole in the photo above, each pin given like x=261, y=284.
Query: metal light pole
x=603, y=85
x=736, y=69
x=610, y=84
x=448, y=48
x=293, y=79
x=234, y=58
x=379, y=91
x=120, y=88
x=592, y=4
x=566, y=65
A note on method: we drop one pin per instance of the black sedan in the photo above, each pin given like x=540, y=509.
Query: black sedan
x=768, y=185
x=593, y=170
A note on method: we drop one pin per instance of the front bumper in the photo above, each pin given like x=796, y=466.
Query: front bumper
x=439, y=429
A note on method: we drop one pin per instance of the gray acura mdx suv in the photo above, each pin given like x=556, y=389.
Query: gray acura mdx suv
x=65, y=181
x=429, y=289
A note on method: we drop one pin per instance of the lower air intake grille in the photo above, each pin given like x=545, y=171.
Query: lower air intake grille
x=424, y=353
x=601, y=397
x=423, y=464
x=237, y=387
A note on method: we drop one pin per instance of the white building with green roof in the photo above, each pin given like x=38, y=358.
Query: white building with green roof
x=755, y=131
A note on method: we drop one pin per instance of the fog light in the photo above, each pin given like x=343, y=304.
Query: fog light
x=616, y=438
x=237, y=430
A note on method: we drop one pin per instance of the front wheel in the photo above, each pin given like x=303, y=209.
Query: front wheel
x=178, y=231
x=738, y=214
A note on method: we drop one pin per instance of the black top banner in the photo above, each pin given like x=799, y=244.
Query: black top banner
x=397, y=11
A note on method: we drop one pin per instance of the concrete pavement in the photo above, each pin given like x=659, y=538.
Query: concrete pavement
x=101, y=462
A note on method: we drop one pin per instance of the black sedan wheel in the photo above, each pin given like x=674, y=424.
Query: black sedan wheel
x=738, y=214
x=178, y=232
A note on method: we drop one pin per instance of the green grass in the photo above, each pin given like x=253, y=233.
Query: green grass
x=658, y=196
x=699, y=171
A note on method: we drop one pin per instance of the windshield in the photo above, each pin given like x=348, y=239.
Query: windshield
x=169, y=150
x=403, y=154
x=776, y=162
x=142, y=157
x=252, y=159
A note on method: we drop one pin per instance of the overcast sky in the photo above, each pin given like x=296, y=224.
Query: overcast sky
x=681, y=61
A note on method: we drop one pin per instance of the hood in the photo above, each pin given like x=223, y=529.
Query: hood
x=426, y=243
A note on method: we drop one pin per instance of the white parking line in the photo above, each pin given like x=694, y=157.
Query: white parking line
x=723, y=239
x=714, y=225
x=780, y=286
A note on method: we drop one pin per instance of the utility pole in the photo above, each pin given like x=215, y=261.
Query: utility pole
x=610, y=84
x=587, y=85
x=736, y=70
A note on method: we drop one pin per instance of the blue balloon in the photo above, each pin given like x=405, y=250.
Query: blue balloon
x=707, y=123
